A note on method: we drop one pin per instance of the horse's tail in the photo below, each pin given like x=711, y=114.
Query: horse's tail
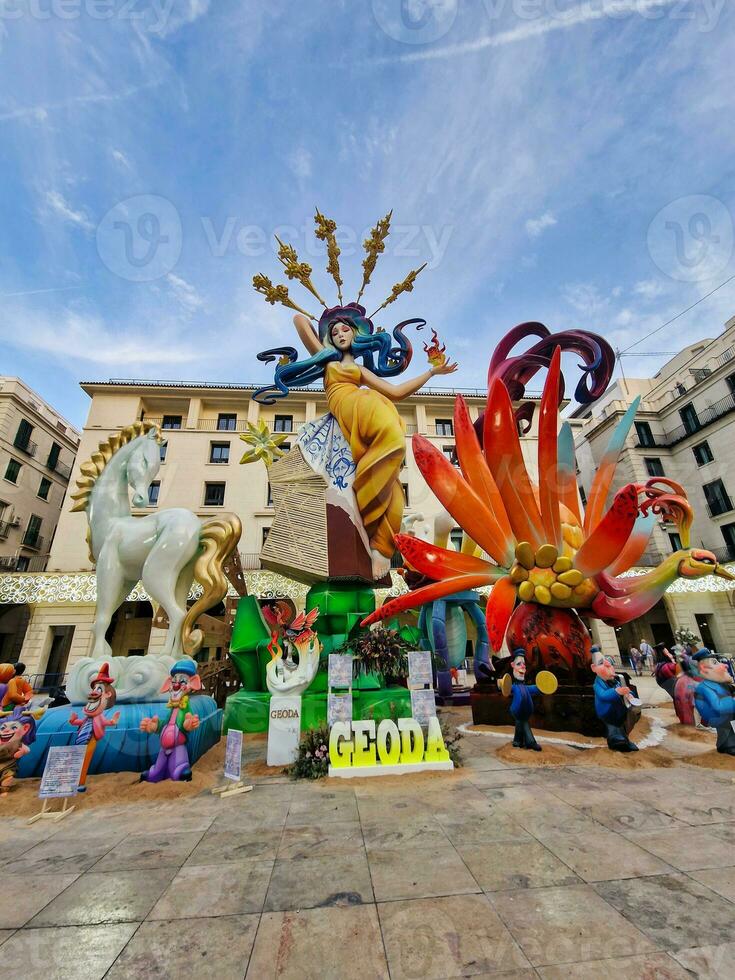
x=218, y=538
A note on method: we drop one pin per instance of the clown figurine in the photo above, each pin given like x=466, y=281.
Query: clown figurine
x=522, y=694
x=173, y=757
x=611, y=705
x=18, y=692
x=92, y=726
x=17, y=732
x=713, y=697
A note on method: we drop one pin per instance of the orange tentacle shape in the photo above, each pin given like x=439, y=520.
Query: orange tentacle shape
x=499, y=609
x=437, y=590
x=547, y=453
x=437, y=563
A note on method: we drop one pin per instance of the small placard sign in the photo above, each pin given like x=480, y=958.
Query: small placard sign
x=423, y=706
x=339, y=708
x=419, y=668
x=233, y=755
x=340, y=671
x=62, y=772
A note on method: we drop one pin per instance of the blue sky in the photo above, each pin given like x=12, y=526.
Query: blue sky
x=558, y=160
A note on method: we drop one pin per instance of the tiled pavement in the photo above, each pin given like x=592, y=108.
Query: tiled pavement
x=558, y=873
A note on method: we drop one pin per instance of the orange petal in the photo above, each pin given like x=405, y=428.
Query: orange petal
x=610, y=536
x=505, y=459
x=548, y=481
x=440, y=563
x=437, y=590
x=499, y=609
x=478, y=475
x=458, y=497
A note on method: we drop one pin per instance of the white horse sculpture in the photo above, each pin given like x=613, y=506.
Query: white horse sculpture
x=166, y=550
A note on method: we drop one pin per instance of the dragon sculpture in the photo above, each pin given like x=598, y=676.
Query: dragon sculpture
x=546, y=557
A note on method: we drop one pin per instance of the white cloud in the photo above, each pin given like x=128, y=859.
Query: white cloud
x=185, y=293
x=300, y=163
x=168, y=16
x=649, y=289
x=119, y=157
x=536, y=226
x=562, y=21
x=585, y=298
x=58, y=205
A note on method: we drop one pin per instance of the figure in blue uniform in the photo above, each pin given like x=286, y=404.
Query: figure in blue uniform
x=610, y=703
x=521, y=705
x=713, y=697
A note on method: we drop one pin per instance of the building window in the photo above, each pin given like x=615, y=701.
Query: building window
x=285, y=447
x=227, y=421
x=675, y=541
x=690, y=419
x=718, y=502
x=171, y=422
x=32, y=539
x=136, y=652
x=23, y=435
x=730, y=379
x=21, y=563
x=654, y=466
x=728, y=533
x=12, y=471
x=702, y=453
x=219, y=452
x=449, y=453
x=214, y=494
x=283, y=423
x=269, y=501
x=265, y=532
x=44, y=488
x=444, y=427
x=53, y=456
x=583, y=496
x=405, y=494
x=455, y=536
x=645, y=436
x=162, y=449
x=153, y=491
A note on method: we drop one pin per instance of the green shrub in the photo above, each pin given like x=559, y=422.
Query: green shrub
x=312, y=761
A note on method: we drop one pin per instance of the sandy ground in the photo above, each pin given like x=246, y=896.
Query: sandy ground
x=681, y=745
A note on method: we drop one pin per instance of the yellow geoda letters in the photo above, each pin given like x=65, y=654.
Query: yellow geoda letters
x=396, y=745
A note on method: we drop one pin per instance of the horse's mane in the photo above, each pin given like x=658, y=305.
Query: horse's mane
x=92, y=469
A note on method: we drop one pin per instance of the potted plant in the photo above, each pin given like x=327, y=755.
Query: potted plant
x=381, y=651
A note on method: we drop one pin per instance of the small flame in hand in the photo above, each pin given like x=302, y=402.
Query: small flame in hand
x=435, y=352
x=274, y=647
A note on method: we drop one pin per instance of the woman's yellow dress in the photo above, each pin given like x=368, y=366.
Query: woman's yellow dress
x=371, y=424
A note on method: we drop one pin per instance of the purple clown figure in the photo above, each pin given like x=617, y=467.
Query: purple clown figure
x=17, y=733
x=173, y=757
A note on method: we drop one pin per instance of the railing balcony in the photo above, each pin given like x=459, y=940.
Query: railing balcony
x=59, y=468
x=20, y=563
x=213, y=425
x=726, y=554
x=31, y=540
x=250, y=561
x=26, y=446
x=5, y=527
x=719, y=507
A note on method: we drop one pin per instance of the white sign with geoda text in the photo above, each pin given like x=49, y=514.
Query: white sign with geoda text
x=284, y=730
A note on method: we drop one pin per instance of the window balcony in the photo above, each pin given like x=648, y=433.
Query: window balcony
x=724, y=554
x=20, y=563
x=32, y=540
x=250, y=562
x=26, y=446
x=5, y=527
x=61, y=469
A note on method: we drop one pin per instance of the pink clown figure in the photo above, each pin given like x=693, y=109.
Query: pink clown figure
x=173, y=757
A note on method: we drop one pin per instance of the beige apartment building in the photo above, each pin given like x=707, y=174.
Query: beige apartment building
x=37, y=451
x=200, y=470
x=684, y=430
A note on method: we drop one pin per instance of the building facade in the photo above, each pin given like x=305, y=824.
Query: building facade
x=201, y=471
x=684, y=431
x=37, y=452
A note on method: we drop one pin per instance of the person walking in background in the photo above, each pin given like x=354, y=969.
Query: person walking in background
x=647, y=658
x=634, y=655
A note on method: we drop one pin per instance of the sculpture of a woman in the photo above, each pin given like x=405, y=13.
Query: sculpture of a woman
x=360, y=399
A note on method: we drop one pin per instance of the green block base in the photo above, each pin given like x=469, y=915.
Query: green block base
x=247, y=711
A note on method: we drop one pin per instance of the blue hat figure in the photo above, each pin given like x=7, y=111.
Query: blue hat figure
x=713, y=698
x=522, y=695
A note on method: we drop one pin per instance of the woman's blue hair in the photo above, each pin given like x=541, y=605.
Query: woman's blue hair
x=381, y=353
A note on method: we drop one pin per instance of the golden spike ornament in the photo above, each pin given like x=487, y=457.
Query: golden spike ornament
x=277, y=294
x=374, y=246
x=264, y=444
x=300, y=271
x=325, y=229
x=400, y=287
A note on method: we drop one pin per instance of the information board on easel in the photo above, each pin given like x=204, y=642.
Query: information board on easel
x=60, y=780
x=233, y=767
x=339, y=684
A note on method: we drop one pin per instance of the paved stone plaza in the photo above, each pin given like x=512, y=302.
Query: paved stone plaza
x=554, y=872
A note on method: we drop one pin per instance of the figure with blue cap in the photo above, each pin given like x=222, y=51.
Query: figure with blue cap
x=713, y=697
x=611, y=704
x=173, y=757
x=514, y=686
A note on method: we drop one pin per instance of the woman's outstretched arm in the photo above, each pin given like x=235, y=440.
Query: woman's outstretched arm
x=397, y=393
x=308, y=335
